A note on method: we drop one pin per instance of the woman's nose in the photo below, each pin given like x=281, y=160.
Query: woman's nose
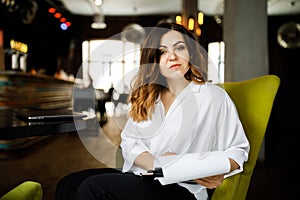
x=172, y=55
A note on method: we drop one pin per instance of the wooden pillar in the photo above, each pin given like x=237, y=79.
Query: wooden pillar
x=189, y=10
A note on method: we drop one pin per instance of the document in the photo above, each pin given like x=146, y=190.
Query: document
x=186, y=167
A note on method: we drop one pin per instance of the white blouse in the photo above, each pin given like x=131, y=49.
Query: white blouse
x=201, y=119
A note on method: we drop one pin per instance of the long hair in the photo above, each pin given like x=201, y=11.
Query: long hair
x=149, y=82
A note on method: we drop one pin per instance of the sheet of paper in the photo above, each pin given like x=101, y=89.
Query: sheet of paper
x=179, y=168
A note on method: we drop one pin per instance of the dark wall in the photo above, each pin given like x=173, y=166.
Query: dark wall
x=45, y=40
x=283, y=128
x=51, y=48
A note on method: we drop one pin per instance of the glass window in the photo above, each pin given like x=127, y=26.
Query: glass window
x=109, y=63
x=216, y=52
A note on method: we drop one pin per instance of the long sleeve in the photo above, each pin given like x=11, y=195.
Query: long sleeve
x=131, y=147
x=231, y=136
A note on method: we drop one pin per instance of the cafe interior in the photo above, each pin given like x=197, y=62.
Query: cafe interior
x=77, y=57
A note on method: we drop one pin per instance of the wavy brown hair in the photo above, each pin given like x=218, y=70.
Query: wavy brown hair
x=149, y=83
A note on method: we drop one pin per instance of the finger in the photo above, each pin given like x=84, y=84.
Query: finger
x=205, y=183
x=210, y=182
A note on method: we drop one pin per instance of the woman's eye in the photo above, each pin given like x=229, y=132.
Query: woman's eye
x=162, y=51
x=180, y=48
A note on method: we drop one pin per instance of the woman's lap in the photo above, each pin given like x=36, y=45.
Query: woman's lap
x=107, y=183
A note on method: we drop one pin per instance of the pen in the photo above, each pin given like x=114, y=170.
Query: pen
x=190, y=182
x=157, y=172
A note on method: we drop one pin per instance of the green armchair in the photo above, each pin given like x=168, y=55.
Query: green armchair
x=254, y=101
x=28, y=190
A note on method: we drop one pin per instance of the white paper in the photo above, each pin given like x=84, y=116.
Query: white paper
x=179, y=168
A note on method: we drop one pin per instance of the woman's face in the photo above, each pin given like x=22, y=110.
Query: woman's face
x=174, y=55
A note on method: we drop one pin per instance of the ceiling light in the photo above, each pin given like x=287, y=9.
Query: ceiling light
x=98, y=2
x=98, y=25
x=200, y=18
x=191, y=23
x=178, y=19
x=99, y=22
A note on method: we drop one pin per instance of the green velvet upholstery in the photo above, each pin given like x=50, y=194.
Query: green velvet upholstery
x=28, y=190
x=254, y=101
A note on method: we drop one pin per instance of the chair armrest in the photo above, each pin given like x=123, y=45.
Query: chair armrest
x=28, y=190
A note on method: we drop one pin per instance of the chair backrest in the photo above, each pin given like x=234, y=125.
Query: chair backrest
x=254, y=101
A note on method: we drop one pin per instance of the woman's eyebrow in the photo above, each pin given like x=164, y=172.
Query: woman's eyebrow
x=179, y=42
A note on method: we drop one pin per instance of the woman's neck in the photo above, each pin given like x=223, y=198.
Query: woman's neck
x=176, y=86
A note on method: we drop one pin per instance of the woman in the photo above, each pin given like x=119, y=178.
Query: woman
x=173, y=111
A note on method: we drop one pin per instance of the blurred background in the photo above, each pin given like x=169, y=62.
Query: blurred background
x=67, y=39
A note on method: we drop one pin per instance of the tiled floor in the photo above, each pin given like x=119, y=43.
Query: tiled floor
x=51, y=159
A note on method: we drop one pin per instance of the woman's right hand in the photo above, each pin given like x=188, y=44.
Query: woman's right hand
x=211, y=182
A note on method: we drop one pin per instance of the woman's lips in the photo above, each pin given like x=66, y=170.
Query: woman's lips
x=175, y=66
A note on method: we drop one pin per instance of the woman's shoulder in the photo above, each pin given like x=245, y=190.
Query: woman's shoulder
x=210, y=92
x=209, y=87
x=216, y=87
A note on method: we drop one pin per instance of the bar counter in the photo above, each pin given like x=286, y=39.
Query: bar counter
x=23, y=90
x=19, y=90
x=12, y=127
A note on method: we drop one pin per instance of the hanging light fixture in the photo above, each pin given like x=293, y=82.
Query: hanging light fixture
x=190, y=17
x=200, y=18
x=178, y=19
x=98, y=22
x=191, y=23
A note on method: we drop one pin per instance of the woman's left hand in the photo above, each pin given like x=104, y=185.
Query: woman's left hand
x=211, y=181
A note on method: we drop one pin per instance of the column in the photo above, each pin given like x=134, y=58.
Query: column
x=245, y=37
x=189, y=9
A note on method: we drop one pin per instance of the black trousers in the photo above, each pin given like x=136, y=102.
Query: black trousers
x=112, y=184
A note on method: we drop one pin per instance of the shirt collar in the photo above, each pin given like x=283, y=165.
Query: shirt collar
x=195, y=87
